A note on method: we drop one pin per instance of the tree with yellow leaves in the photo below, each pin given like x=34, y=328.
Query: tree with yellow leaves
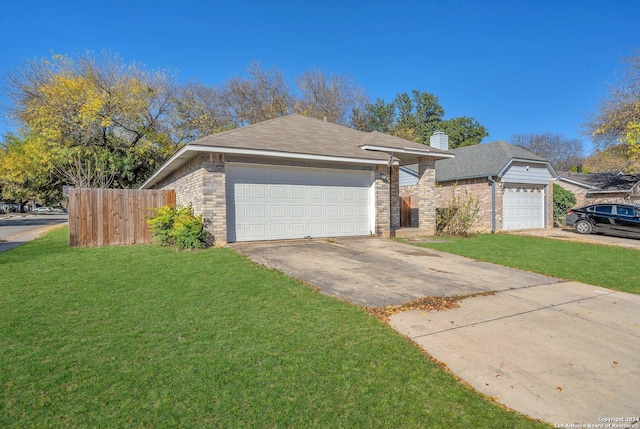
x=618, y=118
x=26, y=170
x=97, y=110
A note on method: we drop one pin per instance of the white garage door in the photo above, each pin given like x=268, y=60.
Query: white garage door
x=271, y=203
x=523, y=207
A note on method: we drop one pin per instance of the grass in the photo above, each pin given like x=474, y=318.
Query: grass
x=145, y=337
x=607, y=266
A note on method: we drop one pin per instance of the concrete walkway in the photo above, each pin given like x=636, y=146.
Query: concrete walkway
x=564, y=352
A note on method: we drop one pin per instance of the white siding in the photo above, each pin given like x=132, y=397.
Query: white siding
x=408, y=175
x=527, y=173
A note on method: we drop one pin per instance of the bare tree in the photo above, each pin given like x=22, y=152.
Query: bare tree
x=264, y=95
x=332, y=97
x=562, y=152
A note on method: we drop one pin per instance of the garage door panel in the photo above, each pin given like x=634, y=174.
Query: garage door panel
x=332, y=211
x=278, y=211
x=296, y=212
x=278, y=192
x=285, y=202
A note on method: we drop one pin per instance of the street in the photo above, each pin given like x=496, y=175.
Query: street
x=18, y=228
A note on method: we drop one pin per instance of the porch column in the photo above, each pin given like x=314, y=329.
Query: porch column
x=214, y=204
x=426, y=195
x=382, y=203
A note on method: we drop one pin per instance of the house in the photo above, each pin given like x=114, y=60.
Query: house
x=298, y=177
x=594, y=188
x=513, y=185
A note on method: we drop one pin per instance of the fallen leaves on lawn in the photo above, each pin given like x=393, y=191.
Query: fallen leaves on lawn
x=427, y=303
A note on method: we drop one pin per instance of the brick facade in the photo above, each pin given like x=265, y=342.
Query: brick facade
x=201, y=184
x=426, y=195
x=481, y=188
x=476, y=188
x=584, y=199
x=382, y=203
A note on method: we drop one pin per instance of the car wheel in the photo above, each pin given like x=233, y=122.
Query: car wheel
x=584, y=227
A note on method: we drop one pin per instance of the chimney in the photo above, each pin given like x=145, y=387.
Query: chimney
x=439, y=140
x=579, y=168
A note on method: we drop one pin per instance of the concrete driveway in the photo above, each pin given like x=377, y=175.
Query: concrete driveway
x=564, y=352
x=376, y=272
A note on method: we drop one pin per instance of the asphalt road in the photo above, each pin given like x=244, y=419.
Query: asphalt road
x=16, y=229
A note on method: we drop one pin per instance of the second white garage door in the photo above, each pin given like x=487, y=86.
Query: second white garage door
x=272, y=203
x=523, y=207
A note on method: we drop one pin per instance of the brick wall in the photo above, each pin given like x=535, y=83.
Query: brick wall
x=201, y=183
x=477, y=188
x=426, y=195
x=382, y=203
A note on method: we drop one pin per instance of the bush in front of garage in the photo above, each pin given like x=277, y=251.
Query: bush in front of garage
x=178, y=227
x=563, y=200
x=459, y=216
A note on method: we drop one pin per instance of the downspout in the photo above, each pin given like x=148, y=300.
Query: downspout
x=493, y=204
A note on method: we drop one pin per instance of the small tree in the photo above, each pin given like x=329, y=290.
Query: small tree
x=459, y=216
x=178, y=227
x=563, y=200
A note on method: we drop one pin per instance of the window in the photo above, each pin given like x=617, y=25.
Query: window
x=624, y=211
x=607, y=209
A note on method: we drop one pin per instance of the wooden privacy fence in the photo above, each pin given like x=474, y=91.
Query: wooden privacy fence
x=405, y=212
x=103, y=217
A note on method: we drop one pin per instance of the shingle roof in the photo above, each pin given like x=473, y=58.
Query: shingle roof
x=610, y=181
x=300, y=134
x=480, y=160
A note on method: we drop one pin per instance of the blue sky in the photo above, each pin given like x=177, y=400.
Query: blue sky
x=516, y=66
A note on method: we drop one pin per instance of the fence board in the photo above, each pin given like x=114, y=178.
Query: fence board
x=103, y=217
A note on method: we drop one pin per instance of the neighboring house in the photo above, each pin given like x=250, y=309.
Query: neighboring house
x=297, y=177
x=594, y=188
x=513, y=185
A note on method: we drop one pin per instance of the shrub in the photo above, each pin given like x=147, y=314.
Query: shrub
x=563, y=200
x=178, y=227
x=459, y=216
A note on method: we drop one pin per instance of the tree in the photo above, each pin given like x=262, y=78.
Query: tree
x=463, y=131
x=613, y=158
x=264, y=95
x=26, y=170
x=332, y=97
x=618, y=117
x=562, y=152
x=416, y=117
x=98, y=105
x=563, y=200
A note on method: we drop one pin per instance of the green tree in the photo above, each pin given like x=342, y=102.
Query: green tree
x=463, y=131
x=563, y=200
x=416, y=117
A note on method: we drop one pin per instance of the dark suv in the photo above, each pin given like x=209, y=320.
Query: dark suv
x=612, y=219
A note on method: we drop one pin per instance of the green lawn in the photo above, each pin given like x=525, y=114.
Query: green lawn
x=145, y=337
x=607, y=266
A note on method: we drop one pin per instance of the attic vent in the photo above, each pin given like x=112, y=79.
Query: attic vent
x=439, y=140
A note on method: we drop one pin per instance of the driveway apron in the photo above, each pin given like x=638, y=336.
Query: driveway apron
x=377, y=272
x=564, y=352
